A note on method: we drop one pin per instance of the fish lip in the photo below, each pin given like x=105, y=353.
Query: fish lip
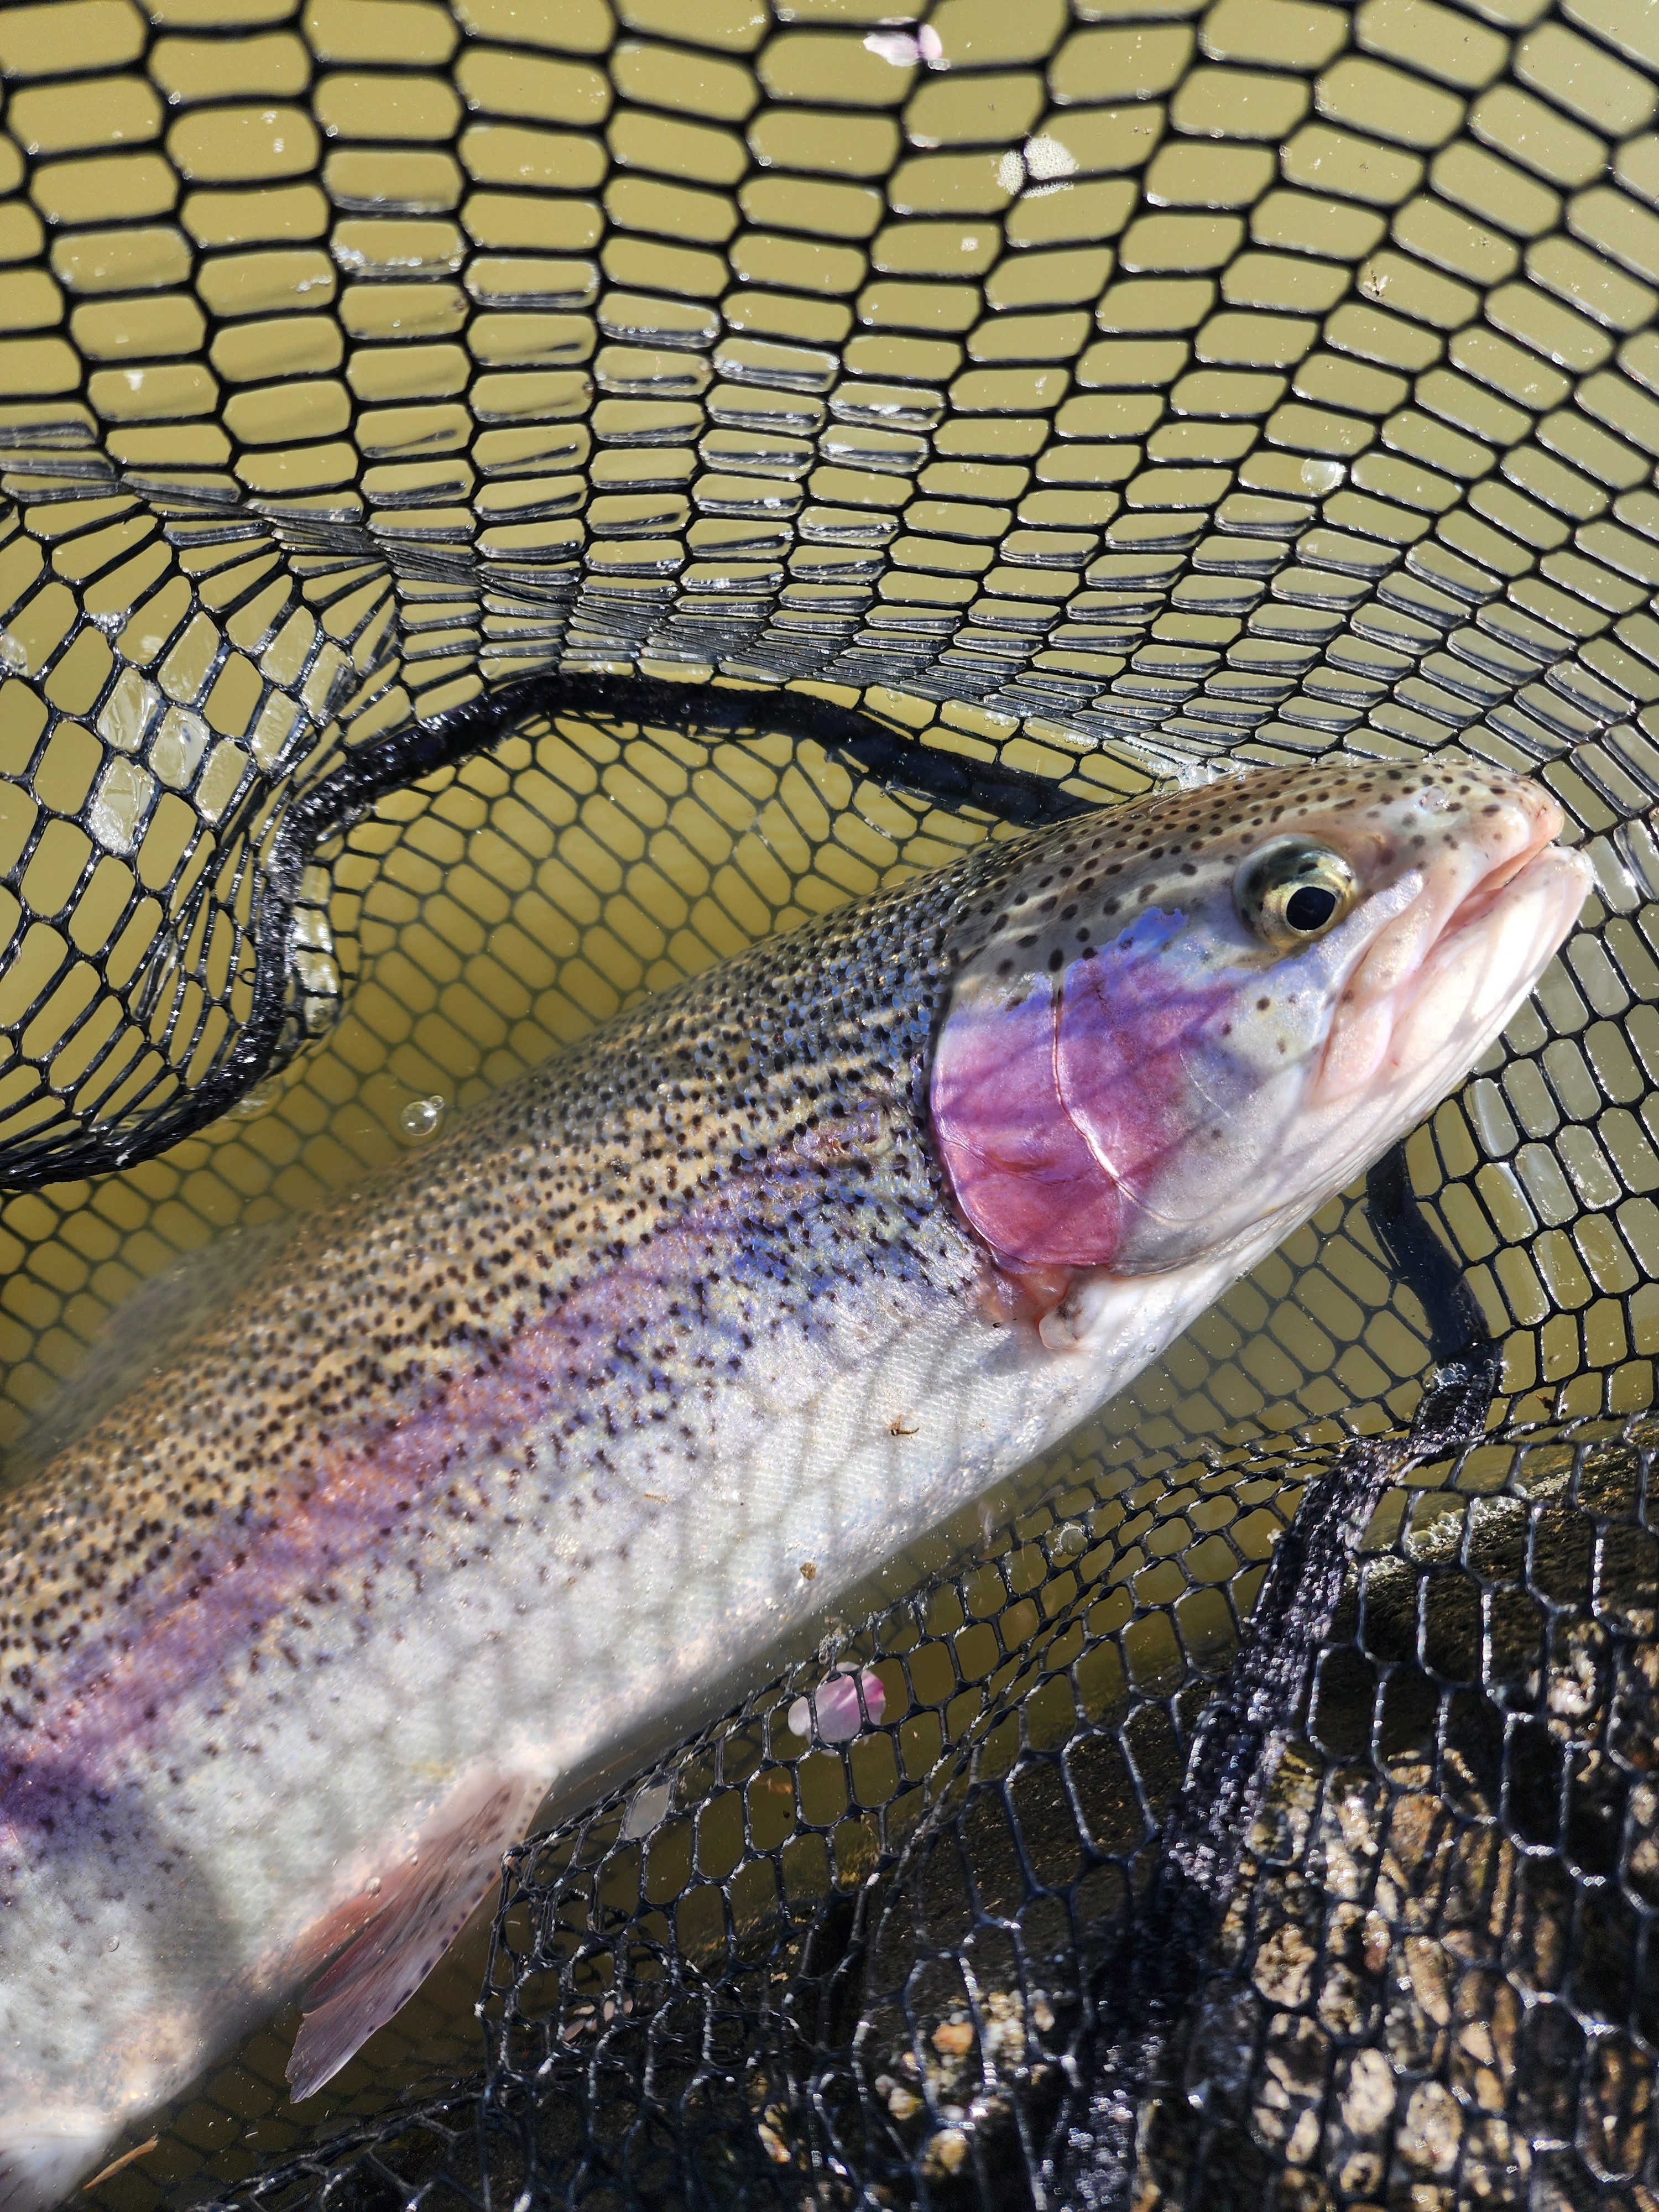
x=1556, y=911
x=1388, y=1005
x=1547, y=826
x=1544, y=857
x=1546, y=821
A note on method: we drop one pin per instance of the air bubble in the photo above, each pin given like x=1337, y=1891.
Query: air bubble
x=422, y=1115
x=1047, y=156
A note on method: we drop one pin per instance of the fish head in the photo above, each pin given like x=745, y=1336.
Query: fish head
x=1179, y=1027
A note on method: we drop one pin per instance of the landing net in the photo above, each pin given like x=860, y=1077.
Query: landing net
x=509, y=502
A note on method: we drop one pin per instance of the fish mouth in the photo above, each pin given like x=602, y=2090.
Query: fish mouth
x=1492, y=909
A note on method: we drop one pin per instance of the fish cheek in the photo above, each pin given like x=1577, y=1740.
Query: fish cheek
x=1019, y=1168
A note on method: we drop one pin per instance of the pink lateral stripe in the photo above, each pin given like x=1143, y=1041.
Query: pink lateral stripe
x=369, y=1511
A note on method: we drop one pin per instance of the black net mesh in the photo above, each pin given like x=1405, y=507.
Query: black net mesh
x=511, y=500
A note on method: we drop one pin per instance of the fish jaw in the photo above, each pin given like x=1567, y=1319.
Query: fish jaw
x=1463, y=881
x=1456, y=1002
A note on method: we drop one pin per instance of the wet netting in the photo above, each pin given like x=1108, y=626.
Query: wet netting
x=508, y=501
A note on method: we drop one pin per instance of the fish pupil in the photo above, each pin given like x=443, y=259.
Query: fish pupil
x=1310, y=908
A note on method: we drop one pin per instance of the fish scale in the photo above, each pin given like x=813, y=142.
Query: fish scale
x=564, y=1421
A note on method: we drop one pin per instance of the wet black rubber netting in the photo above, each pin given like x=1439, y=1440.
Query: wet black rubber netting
x=507, y=501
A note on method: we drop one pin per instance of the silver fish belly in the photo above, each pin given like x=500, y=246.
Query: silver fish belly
x=586, y=1406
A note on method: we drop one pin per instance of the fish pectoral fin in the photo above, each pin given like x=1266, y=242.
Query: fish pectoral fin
x=424, y=1907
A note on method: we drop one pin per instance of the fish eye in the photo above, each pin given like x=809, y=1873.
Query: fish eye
x=1294, y=891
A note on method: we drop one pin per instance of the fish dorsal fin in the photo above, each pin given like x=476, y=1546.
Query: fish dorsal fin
x=421, y=1908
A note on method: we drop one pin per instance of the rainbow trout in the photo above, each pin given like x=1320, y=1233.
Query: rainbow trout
x=526, y=1438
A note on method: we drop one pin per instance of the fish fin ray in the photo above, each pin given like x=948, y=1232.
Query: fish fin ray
x=425, y=1906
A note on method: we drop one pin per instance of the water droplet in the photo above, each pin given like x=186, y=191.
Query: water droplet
x=648, y=1809
x=13, y=653
x=121, y=804
x=113, y=1944
x=129, y=710
x=176, y=751
x=422, y=1115
x=835, y=1703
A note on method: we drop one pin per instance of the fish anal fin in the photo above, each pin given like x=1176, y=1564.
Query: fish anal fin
x=422, y=1906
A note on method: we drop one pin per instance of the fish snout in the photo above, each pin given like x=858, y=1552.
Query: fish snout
x=1465, y=854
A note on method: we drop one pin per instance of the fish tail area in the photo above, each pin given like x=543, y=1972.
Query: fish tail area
x=42, y=2157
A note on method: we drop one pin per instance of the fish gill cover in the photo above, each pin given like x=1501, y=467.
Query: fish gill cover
x=510, y=502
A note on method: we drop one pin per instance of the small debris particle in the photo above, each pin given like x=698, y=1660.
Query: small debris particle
x=808, y=1570
x=954, y=2039
x=138, y=2150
